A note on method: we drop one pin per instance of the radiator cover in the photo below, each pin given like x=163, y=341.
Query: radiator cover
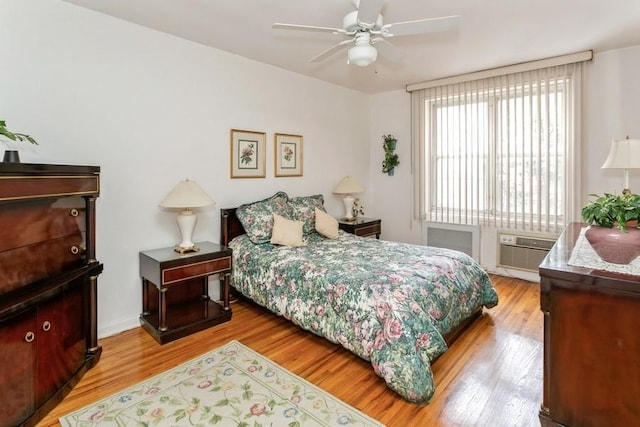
x=463, y=238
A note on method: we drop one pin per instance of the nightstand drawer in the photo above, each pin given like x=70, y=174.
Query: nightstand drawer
x=363, y=227
x=369, y=230
x=199, y=269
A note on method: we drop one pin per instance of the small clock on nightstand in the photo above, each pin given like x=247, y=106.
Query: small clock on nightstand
x=365, y=227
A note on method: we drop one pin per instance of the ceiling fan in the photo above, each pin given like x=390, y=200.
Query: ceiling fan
x=367, y=32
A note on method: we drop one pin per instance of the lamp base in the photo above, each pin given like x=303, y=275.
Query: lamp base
x=185, y=250
x=348, y=207
x=186, y=222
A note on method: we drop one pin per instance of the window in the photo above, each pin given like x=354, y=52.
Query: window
x=499, y=151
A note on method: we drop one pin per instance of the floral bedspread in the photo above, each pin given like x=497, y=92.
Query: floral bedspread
x=390, y=303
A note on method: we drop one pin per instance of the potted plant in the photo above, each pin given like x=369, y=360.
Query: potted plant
x=12, y=155
x=614, y=234
x=390, y=157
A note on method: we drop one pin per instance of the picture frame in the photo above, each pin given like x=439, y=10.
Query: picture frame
x=248, y=154
x=288, y=155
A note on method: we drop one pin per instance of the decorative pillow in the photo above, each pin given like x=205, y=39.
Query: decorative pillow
x=326, y=224
x=303, y=209
x=257, y=217
x=286, y=232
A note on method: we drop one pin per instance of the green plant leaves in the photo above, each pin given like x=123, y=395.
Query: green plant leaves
x=612, y=209
x=14, y=136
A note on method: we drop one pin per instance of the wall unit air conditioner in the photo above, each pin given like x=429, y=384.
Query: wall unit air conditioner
x=463, y=238
x=522, y=252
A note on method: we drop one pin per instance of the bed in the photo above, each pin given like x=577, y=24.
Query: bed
x=396, y=305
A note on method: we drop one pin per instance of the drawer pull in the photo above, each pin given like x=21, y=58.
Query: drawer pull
x=75, y=250
x=46, y=325
x=29, y=336
x=74, y=212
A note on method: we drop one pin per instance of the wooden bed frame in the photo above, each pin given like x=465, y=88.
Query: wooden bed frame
x=231, y=227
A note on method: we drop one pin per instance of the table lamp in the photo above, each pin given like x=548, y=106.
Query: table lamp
x=185, y=196
x=624, y=154
x=348, y=186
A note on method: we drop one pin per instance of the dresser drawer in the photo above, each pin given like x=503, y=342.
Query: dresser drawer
x=24, y=187
x=27, y=264
x=25, y=224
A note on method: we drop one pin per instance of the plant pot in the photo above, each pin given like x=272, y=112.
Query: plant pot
x=391, y=171
x=614, y=245
x=390, y=145
x=11, y=156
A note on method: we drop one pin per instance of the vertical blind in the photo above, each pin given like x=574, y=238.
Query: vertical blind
x=500, y=151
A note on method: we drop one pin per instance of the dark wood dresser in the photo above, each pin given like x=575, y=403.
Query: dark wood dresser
x=591, y=342
x=48, y=285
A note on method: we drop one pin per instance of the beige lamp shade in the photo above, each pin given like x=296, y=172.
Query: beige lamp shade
x=185, y=196
x=623, y=154
x=348, y=186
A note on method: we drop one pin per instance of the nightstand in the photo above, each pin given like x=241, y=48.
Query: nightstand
x=175, y=290
x=365, y=227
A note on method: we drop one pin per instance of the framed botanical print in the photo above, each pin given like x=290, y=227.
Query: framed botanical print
x=248, y=154
x=288, y=155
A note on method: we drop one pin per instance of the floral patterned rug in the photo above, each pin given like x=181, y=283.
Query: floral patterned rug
x=230, y=386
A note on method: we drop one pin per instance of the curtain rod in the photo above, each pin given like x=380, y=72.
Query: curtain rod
x=508, y=69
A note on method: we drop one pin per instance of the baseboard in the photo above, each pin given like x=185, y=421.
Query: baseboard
x=116, y=328
x=529, y=276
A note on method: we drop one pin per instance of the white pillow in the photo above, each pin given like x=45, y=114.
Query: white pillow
x=286, y=232
x=326, y=224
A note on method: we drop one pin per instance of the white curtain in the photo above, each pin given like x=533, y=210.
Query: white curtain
x=502, y=150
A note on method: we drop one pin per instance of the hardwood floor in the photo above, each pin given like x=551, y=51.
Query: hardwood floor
x=491, y=376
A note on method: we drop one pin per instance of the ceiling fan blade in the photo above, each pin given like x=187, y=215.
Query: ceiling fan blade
x=368, y=11
x=421, y=26
x=386, y=49
x=278, y=26
x=333, y=49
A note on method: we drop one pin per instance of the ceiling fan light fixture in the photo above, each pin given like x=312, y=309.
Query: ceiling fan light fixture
x=362, y=55
x=366, y=27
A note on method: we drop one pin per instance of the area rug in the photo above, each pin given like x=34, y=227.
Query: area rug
x=230, y=386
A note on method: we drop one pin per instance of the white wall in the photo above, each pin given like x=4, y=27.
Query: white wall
x=393, y=195
x=611, y=111
x=152, y=109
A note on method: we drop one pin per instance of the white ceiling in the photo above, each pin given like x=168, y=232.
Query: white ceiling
x=492, y=33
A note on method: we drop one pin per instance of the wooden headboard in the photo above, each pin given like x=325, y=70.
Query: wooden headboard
x=230, y=226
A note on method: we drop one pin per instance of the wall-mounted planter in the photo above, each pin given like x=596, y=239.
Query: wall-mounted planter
x=390, y=157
